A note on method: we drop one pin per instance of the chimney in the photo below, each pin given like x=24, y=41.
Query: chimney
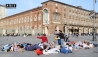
x=79, y=6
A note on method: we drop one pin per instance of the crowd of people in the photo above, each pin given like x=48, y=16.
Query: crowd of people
x=44, y=47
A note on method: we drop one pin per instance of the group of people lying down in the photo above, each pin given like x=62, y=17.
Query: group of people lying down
x=48, y=48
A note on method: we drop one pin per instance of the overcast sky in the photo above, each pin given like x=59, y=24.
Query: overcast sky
x=23, y=5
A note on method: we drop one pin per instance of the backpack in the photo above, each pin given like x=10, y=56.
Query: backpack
x=56, y=37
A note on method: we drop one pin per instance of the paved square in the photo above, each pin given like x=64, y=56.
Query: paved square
x=33, y=39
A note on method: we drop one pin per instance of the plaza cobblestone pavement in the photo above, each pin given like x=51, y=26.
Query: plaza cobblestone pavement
x=32, y=39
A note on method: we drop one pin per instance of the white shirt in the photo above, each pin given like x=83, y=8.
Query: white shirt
x=41, y=45
x=90, y=46
x=70, y=48
x=66, y=47
x=84, y=45
x=53, y=50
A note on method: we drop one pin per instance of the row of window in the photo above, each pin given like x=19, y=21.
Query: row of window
x=82, y=23
x=82, y=16
x=79, y=11
x=76, y=10
x=20, y=20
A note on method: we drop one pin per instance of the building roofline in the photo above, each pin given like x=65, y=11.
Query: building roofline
x=44, y=2
x=24, y=12
x=68, y=5
x=2, y=5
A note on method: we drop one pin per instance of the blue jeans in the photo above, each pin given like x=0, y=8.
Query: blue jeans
x=95, y=45
x=63, y=50
x=59, y=41
x=62, y=42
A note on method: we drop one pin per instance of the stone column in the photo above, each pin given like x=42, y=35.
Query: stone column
x=16, y=31
x=85, y=30
x=4, y=31
x=80, y=31
x=66, y=30
x=33, y=32
x=89, y=31
x=97, y=30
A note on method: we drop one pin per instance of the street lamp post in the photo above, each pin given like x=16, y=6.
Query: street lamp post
x=94, y=19
x=24, y=29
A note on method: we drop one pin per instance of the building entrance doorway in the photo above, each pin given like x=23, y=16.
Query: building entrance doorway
x=46, y=30
x=74, y=31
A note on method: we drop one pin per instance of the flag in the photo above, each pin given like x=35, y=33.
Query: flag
x=95, y=1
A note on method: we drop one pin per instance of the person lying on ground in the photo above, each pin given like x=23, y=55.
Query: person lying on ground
x=64, y=50
x=18, y=48
x=51, y=51
x=32, y=47
x=39, y=51
x=12, y=47
x=41, y=45
x=6, y=47
x=53, y=44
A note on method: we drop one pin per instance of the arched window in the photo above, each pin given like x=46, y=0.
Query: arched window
x=22, y=19
x=45, y=16
x=30, y=18
x=25, y=19
x=35, y=18
x=19, y=21
x=14, y=21
x=39, y=17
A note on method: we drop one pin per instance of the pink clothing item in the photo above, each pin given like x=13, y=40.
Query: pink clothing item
x=79, y=43
x=17, y=49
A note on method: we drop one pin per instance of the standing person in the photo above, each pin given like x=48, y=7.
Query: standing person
x=57, y=38
x=67, y=38
x=62, y=38
x=56, y=32
x=77, y=35
x=43, y=38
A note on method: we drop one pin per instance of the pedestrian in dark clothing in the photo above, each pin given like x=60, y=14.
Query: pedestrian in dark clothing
x=77, y=35
x=62, y=38
x=67, y=38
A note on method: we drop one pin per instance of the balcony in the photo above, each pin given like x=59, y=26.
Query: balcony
x=45, y=22
x=56, y=21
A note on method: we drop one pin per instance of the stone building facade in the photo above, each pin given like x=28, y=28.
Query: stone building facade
x=2, y=11
x=51, y=16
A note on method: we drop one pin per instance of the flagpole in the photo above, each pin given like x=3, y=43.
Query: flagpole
x=94, y=19
x=24, y=27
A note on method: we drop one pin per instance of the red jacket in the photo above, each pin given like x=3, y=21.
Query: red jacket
x=44, y=38
x=39, y=52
